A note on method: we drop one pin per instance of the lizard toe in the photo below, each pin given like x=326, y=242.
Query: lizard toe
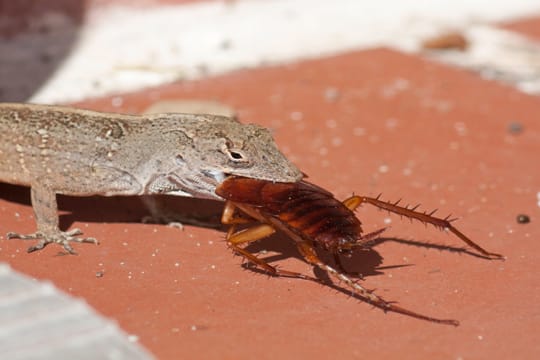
x=63, y=239
x=40, y=245
x=33, y=236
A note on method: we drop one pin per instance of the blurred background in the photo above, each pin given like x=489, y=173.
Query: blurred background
x=58, y=51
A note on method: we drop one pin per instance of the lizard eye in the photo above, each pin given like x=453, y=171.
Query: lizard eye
x=234, y=155
x=237, y=156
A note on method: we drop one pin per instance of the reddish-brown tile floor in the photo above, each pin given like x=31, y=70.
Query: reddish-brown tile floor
x=529, y=27
x=364, y=122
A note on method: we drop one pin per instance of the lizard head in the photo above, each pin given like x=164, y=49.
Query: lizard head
x=219, y=147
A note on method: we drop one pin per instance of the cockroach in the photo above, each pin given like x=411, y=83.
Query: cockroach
x=312, y=216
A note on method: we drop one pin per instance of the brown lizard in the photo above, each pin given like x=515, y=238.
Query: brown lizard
x=63, y=150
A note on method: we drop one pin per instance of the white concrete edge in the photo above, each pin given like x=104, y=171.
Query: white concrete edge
x=124, y=49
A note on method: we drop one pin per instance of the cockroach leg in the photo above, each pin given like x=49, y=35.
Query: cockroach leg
x=230, y=217
x=257, y=232
x=363, y=241
x=337, y=260
x=253, y=234
x=249, y=256
x=309, y=254
x=354, y=201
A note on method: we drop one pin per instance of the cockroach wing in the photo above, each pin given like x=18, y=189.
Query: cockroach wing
x=306, y=209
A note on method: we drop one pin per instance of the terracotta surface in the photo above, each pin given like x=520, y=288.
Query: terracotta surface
x=529, y=27
x=365, y=122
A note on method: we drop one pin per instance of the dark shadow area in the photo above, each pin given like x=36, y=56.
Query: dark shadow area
x=207, y=214
x=440, y=247
x=35, y=38
x=122, y=209
x=360, y=264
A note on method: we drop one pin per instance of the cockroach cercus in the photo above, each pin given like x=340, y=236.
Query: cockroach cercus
x=312, y=216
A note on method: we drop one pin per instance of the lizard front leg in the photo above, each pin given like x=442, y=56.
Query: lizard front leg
x=46, y=214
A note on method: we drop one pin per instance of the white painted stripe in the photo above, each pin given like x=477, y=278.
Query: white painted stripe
x=124, y=49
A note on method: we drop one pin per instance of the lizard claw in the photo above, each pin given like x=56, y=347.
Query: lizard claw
x=61, y=238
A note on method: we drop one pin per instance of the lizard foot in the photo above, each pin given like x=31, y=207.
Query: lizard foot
x=61, y=238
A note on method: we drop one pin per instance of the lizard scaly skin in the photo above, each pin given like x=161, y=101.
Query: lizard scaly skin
x=63, y=150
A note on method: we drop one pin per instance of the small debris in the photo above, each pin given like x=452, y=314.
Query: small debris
x=383, y=169
x=331, y=123
x=226, y=44
x=331, y=94
x=448, y=41
x=407, y=171
x=391, y=123
x=515, y=128
x=99, y=274
x=296, y=116
x=460, y=128
x=117, y=101
x=523, y=219
x=337, y=141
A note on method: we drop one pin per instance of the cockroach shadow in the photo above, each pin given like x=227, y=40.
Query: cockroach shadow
x=360, y=263
x=320, y=225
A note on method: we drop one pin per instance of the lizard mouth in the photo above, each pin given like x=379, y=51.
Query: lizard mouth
x=200, y=185
x=217, y=175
